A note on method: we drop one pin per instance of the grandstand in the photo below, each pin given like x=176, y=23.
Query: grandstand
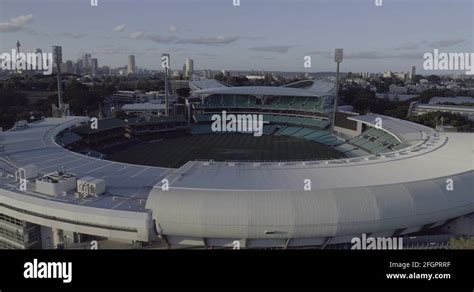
x=387, y=180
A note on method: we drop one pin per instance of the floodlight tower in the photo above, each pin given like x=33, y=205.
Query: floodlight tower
x=58, y=58
x=338, y=59
x=165, y=63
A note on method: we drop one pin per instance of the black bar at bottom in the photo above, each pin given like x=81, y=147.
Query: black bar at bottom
x=244, y=268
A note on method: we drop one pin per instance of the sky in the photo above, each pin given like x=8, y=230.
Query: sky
x=273, y=35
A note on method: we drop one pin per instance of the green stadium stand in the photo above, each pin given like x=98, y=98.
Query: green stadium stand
x=281, y=129
x=201, y=129
x=288, y=131
x=298, y=103
x=202, y=118
x=303, y=132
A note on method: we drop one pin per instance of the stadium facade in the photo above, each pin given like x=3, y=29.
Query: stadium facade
x=396, y=178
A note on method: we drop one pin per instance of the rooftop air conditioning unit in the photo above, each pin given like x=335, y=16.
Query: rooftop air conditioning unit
x=89, y=186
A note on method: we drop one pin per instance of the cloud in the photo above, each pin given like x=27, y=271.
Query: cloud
x=218, y=40
x=112, y=51
x=16, y=23
x=273, y=49
x=260, y=57
x=379, y=55
x=448, y=42
x=407, y=46
x=326, y=54
x=254, y=37
x=136, y=35
x=72, y=35
x=176, y=40
x=161, y=39
x=119, y=27
x=172, y=29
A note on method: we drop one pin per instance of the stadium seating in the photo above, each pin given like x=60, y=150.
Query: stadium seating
x=288, y=131
x=298, y=103
x=375, y=141
x=303, y=132
x=203, y=118
x=201, y=129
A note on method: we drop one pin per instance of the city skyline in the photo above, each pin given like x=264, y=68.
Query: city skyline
x=256, y=35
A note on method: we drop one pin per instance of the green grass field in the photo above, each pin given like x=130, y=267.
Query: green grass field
x=175, y=152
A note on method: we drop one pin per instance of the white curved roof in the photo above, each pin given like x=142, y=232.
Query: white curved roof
x=317, y=88
x=403, y=189
x=205, y=84
x=258, y=90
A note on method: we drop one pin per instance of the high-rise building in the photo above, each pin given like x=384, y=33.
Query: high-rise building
x=106, y=70
x=39, y=57
x=67, y=67
x=207, y=73
x=94, y=65
x=79, y=66
x=131, y=64
x=189, y=67
x=387, y=74
x=86, y=61
x=412, y=72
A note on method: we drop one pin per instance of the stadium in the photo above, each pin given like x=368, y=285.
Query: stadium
x=303, y=183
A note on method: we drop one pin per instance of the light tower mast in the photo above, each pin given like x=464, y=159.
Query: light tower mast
x=58, y=56
x=338, y=59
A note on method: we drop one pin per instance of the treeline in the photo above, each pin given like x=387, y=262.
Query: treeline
x=15, y=106
x=365, y=101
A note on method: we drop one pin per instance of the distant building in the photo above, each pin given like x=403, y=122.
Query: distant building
x=105, y=70
x=398, y=89
x=387, y=74
x=176, y=74
x=176, y=84
x=94, y=65
x=401, y=75
x=412, y=72
x=131, y=64
x=207, y=73
x=255, y=77
x=79, y=66
x=417, y=108
x=67, y=67
x=189, y=67
x=86, y=62
x=457, y=100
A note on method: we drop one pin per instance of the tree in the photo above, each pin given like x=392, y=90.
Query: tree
x=183, y=92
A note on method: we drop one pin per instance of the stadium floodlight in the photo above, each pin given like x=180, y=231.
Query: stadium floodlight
x=338, y=54
x=165, y=63
x=58, y=59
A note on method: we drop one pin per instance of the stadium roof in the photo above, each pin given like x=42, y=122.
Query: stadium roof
x=102, y=125
x=404, y=131
x=35, y=145
x=454, y=99
x=304, y=88
x=148, y=106
x=205, y=84
x=258, y=90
